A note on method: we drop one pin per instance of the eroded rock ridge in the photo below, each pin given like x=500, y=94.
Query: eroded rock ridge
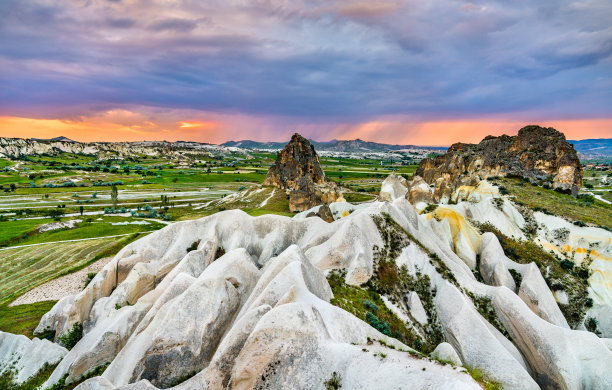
x=537, y=153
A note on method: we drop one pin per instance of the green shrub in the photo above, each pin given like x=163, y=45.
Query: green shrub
x=72, y=337
x=430, y=208
x=381, y=326
x=567, y=264
x=333, y=383
x=370, y=305
x=592, y=326
x=517, y=276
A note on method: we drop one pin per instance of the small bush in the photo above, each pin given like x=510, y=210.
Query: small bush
x=567, y=264
x=517, y=276
x=333, y=383
x=90, y=277
x=220, y=252
x=381, y=326
x=591, y=324
x=72, y=337
x=370, y=306
x=430, y=208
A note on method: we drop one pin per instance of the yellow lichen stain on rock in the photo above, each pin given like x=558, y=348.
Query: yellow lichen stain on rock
x=345, y=213
x=459, y=226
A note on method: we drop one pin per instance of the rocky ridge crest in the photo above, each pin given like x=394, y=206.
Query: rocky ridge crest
x=297, y=170
x=537, y=153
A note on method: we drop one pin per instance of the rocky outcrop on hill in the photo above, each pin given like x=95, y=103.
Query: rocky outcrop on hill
x=537, y=153
x=297, y=170
x=20, y=147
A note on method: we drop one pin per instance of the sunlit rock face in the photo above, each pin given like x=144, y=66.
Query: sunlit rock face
x=173, y=310
x=297, y=170
x=536, y=153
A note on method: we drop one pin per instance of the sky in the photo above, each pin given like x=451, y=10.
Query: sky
x=423, y=72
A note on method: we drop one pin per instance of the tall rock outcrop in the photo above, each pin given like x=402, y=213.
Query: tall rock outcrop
x=297, y=170
x=536, y=153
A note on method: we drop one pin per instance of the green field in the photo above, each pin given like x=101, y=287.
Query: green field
x=23, y=268
x=564, y=205
x=23, y=319
x=39, y=190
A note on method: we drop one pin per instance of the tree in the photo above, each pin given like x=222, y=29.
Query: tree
x=81, y=210
x=114, y=195
x=56, y=213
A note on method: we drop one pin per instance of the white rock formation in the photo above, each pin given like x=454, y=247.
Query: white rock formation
x=446, y=352
x=393, y=187
x=24, y=357
x=416, y=308
x=171, y=311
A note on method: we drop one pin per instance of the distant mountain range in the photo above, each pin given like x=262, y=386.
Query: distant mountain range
x=56, y=139
x=586, y=148
x=593, y=148
x=351, y=146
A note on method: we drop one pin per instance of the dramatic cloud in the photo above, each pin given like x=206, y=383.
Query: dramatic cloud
x=271, y=66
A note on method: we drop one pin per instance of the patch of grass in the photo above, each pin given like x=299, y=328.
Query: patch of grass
x=547, y=200
x=479, y=376
x=88, y=230
x=361, y=302
x=484, y=306
x=72, y=337
x=23, y=319
x=24, y=268
x=13, y=231
x=33, y=383
x=333, y=383
x=557, y=273
x=356, y=197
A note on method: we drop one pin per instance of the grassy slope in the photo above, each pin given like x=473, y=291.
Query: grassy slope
x=24, y=268
x=87, y=230
x=559, y=204
x=23, y=319
x=13, y=229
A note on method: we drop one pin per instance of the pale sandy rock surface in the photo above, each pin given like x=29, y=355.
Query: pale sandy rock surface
x=393, y=187
x=446, y=352
x=166, y=315
x=26, y=357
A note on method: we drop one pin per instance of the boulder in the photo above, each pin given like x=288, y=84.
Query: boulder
x=445, y=352
x=325, y=213
x=416, y=308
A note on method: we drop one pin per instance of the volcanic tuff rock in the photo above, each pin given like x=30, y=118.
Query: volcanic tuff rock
x=536, y=153
x=297, y=169
x=260, y=315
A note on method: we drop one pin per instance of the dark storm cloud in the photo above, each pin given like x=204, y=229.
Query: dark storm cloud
x=311, y=59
